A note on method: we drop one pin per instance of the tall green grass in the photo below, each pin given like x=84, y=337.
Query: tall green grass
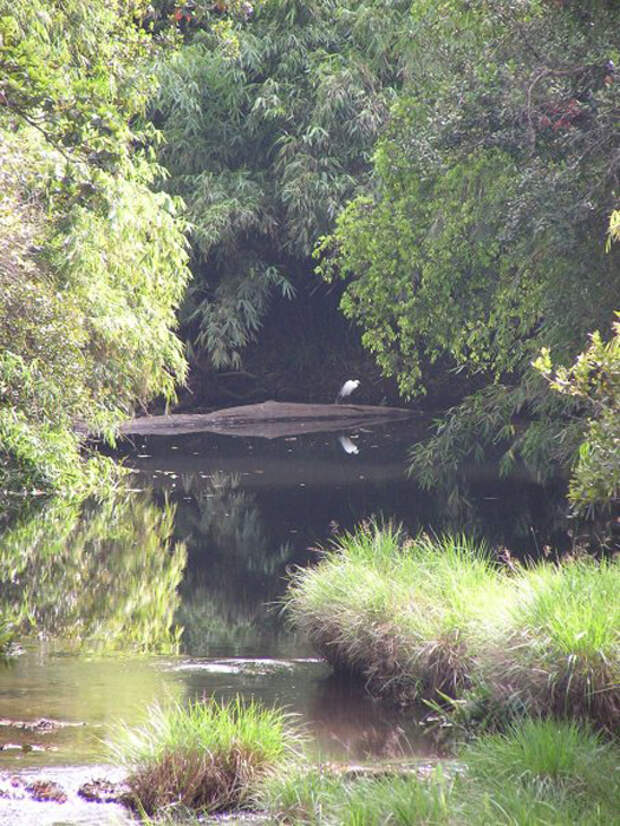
x=559, y=652
x=206, y=756
x=542, y=773
x=426, y=618
x=406, y=615
x=312, y=797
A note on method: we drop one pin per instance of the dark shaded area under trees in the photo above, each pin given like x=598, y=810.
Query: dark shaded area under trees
x=450, y=169
x=465, y=160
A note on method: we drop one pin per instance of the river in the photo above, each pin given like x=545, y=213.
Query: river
x=171, y=591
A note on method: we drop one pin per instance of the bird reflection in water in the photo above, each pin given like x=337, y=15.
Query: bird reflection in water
x=347, y=445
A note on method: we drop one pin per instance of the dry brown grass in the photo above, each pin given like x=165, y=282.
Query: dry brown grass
x=196, y=780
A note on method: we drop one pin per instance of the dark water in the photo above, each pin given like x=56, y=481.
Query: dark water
x=170, y=591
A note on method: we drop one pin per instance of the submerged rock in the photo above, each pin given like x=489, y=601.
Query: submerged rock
x=43, y=725
x=104, y=791
x=47, y=791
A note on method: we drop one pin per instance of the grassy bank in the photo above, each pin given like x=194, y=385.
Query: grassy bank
x=209, y=758
x=559, y=652
x=421, y=618
x=543, y=772
x=403, y=615
x=205, y=757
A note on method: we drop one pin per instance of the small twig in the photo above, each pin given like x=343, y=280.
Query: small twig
x=31, y=122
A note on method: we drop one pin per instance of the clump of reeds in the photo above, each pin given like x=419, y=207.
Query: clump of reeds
x=406, y=615
x=541, y=771
x=559, y=651
x=206, y=756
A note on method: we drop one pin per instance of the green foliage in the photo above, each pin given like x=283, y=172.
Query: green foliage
x=206, y=756
x=267, y=144
x=513, y=423
x=594, y=378
x=75, y=73
x=103, y=575
x=484, y=237
x=92, y=261
x=614, y=228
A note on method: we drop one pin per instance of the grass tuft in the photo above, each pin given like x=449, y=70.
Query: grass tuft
x=205, y=757
x=406, y=615
x=541, y=752
x=559, y=652
x=436, y=618
x=543, y=771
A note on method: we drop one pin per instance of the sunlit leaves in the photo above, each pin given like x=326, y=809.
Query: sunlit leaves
x=594, y=378
x=93, y=262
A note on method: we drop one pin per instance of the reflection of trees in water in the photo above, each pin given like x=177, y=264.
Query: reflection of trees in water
x=234, y=572
x=102, y=573
x=216, y=625
x=521, y=515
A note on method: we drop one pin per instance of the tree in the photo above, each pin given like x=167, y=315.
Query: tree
x=265, y=142
x=92, y=259
x=484, y=237
x=594, y=379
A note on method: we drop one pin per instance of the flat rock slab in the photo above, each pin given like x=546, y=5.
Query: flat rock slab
x=269, y=420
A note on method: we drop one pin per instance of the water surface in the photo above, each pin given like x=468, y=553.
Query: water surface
x=171, y=591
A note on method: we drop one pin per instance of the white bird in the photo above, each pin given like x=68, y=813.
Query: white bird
x=347, y=388
x=347, y=445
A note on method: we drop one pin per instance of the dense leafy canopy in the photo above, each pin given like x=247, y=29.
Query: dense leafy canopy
x=266, y=142
x=92, y=260
x=458, y=161
x=484, y=237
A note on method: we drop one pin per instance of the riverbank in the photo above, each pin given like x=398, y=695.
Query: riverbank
x=438, y=619
x=249, y=763
x=242, y=763
x=540, y=772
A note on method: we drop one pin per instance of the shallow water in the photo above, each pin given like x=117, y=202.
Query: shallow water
x=203, y=542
